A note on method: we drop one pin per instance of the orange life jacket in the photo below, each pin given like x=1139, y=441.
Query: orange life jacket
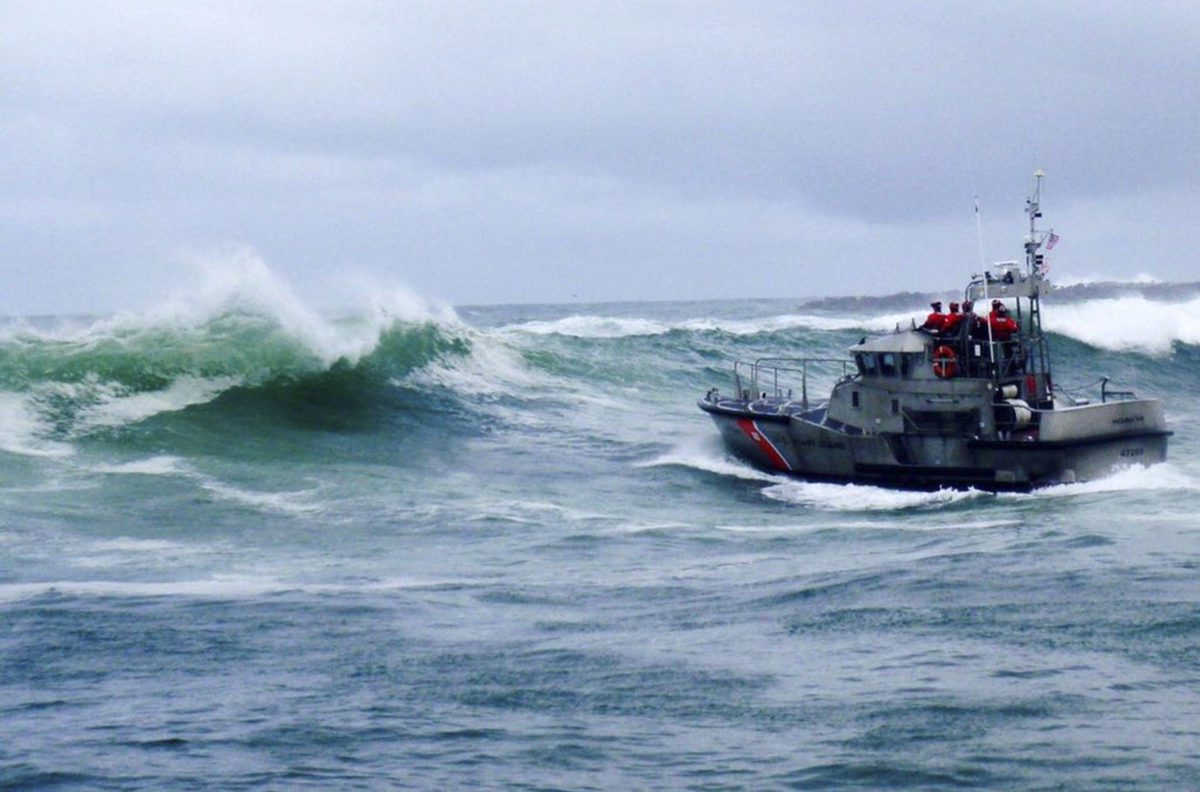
x=935, y=322
x=1003, y=327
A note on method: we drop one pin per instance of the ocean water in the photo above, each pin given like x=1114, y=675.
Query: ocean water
x=244, y=545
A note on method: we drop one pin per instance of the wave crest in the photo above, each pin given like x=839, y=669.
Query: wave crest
x=593, y=326
x=241, y=328
x=1133, y=323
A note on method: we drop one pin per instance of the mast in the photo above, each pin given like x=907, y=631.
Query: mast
x=1038, y=360
x=993, y=369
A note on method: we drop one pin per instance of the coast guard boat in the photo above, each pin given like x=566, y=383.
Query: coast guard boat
x=924, y=408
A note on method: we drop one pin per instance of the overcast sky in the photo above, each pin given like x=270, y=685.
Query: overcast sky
x=555, y=151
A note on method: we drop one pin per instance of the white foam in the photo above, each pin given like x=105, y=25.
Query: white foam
x=125, y=551
x=237, y=587
x=117, y=408
x=129, y=544
x=855, y=497
x=860, y=497
x=772, y=529
x=589, y=326
x=163, y=465
x=1162, y=477
x=290, y=503
x=240, y=282
x=882, y=323
x=21, y=429
x=956, y=523
x=236, y=294
x=709, y=461
x=493, y=368
x=1127, y=323
x=532, y=512
x=497, y=371
x=592, y=327
x=230, y=587
x=1066, y=281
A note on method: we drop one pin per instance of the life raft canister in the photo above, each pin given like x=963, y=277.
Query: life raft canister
x=945, y=362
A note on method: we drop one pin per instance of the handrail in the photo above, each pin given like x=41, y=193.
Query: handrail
x=1123, y=395
x=771, y=367
x=1105, y=392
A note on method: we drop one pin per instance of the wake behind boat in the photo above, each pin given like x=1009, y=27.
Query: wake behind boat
x=962, y=401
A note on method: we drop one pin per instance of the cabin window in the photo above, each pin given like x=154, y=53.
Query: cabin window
x=858, y=361
x=853, y=398
x=869, y=364
x=895, y=406
x=906, y=364
x=887, y=364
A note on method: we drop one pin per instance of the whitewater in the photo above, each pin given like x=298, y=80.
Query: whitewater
x=248, y=544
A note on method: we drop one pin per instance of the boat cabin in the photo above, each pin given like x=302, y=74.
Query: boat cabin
x=901, y=387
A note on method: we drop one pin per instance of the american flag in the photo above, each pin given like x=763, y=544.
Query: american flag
x=1051, y=241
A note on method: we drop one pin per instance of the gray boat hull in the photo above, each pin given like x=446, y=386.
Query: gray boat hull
x=1071, y=444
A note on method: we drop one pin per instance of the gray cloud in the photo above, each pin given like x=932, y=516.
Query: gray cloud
x=535, y=151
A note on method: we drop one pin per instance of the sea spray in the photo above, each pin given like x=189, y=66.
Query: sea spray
x=1127, y=323
x=241, y=326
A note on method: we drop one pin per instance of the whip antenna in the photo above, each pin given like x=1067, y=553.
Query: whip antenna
x=984, y=270
x=979, y=235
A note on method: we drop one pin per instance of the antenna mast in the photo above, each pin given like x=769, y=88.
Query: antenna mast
x=1039, y=354
x=979, y=235
x=1033, y=207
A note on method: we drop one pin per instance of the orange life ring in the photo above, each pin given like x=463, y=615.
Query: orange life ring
x=945, y=362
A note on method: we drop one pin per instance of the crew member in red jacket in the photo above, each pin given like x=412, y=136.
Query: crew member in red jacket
x=1003, y=325
x=936, y=319
x=952, y=322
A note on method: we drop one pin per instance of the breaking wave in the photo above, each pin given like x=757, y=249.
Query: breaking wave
x=242, y=329
x=591, y=326
x=1068, y=281
x=1123, y=324
x=1127, y=323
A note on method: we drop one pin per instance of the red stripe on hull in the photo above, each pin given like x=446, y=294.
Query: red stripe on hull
x=764, y=444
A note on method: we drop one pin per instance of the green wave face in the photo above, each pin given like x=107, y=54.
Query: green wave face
x=115, y=373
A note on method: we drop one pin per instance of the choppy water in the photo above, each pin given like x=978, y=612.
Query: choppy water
x=244, y=546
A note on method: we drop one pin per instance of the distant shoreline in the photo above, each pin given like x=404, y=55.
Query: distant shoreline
x=1099, y=290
